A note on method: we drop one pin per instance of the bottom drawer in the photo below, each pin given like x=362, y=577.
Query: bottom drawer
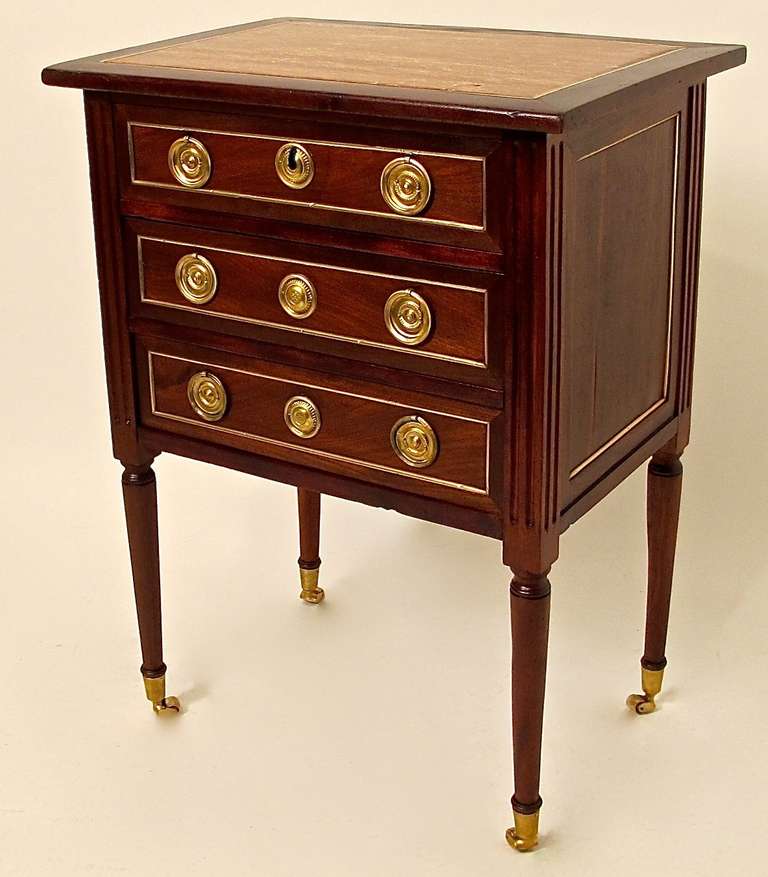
x=378, y=434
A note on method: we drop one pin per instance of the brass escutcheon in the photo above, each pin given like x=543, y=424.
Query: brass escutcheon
x=406, y=186
x=302, y=417
x=207, y=396
x=189, y=162
x=196, y=278
x=294, y=165
x=408, y=317
x=297, y=295
x=414, y=441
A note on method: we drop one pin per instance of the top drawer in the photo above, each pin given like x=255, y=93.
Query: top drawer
x=404, y=185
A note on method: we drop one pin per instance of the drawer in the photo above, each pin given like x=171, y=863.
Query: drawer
x=255, y=284
x=378, y=434
x=405, y=184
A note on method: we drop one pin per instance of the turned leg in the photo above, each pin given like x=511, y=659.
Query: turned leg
x=665, y=481
x=309, y=541
x=529, y=601
x=140, y=498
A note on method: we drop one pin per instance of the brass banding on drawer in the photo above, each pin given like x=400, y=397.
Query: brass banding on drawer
x=419, y=317
x=401, y=184
x=320, y=421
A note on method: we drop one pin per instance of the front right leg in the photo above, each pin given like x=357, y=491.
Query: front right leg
x=140, y=499
x=529, y=602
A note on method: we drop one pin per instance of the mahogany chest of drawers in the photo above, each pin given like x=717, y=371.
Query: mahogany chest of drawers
x=444, y=271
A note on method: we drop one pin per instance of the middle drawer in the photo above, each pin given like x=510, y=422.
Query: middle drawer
x=305, y=294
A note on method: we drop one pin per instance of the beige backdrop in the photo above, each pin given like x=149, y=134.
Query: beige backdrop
x=369, y=736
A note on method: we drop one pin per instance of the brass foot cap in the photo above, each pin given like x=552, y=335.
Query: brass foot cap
x=525, y=835
x=310, y=591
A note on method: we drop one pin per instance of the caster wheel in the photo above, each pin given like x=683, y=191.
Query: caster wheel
x=521, y=844
x=641, y=704
x=167, y=706
x=316, y=595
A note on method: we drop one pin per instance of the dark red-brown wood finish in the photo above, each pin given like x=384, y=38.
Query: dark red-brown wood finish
x=556, y=253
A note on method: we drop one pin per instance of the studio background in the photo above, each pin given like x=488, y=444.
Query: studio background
x=370, y=735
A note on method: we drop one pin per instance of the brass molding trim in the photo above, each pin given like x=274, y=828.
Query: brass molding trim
x=418, y=476
x=671, y=298
x=314, y=204
x=317, y=332
x=196, y=278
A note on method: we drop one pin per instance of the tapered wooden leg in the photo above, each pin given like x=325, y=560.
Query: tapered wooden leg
x=529, y=600
x=665, y=481
x=140, y=499
x=309, y=540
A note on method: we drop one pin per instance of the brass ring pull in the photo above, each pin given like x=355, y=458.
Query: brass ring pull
x=414, y=441
x=406, y=186
x=408, y=317
x=302, y=417
x=207, y=396
x=189, y=162
x=294, y=165
x=297, y=295
x=196, y=278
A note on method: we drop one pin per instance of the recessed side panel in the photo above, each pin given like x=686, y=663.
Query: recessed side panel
x=620, y=313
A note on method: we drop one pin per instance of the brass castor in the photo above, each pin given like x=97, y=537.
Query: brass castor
x=645, y=703
x=162, y=705
x=310, y=592
x=525, y=835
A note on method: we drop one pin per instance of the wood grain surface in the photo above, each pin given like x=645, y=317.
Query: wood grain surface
x=350, y=305
x=502, y=63
x=356, y=420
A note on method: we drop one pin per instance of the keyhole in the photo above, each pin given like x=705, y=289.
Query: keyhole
x=292, y=162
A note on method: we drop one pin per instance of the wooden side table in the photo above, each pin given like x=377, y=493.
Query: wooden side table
x=449, y=272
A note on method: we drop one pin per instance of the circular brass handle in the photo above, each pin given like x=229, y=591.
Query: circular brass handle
x=414, y=441
x=207, y=396
x=189, y=162
x=302, y=417
x=408, y=317
x=297, y=295
x=406, y=186
x=196, y=278
x=294, y=165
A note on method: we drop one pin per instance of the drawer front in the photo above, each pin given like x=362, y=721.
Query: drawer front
x=420, y=318
x=429, y=187
x=358, y=430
